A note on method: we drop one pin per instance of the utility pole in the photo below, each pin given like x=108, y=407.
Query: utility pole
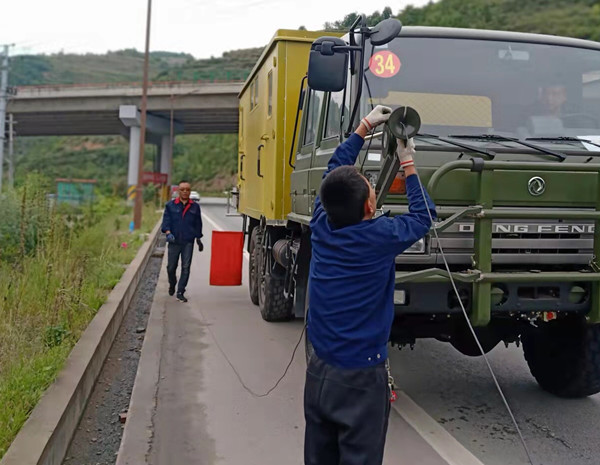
x=3, y=99
x=139, y=200
x=11, y=157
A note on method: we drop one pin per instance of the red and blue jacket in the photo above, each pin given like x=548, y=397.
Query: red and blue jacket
x=352, y=274
x=184, y=221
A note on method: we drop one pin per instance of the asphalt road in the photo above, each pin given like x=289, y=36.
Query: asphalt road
x=458, y=392
x=217, y=358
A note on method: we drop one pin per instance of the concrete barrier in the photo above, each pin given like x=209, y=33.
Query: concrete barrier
x=45, y=437
x=139, y=428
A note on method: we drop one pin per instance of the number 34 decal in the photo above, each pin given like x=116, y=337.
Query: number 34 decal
x=384, y=64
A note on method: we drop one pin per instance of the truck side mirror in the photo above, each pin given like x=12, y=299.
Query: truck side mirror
x=385, y=31
x=404, y=123
x=327, y=67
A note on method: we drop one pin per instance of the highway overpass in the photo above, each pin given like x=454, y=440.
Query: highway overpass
x=112, y=109
x=66, y=110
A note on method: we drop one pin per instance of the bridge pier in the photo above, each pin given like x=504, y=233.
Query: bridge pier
x=166, y=162
x=158, y=132
x=134, y=158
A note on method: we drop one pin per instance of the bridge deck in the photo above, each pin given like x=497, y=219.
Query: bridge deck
x=94, y=109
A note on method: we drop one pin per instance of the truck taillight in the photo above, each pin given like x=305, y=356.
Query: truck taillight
x=398, y=184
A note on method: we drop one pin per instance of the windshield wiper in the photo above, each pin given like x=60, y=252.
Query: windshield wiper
x=468, y=147
x=565, y=139
x=495, y=137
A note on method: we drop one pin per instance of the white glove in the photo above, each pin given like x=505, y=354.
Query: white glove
x=378, y=115
x=405, y=152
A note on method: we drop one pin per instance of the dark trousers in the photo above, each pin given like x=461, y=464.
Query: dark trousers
x=186, y=251
x=346, y=412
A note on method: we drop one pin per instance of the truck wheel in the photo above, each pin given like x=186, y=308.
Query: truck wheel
x=255, y=239
x=564, y=357
x=273, y=304
x=271, y=301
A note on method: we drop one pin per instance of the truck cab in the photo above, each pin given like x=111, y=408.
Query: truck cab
x=509, y=150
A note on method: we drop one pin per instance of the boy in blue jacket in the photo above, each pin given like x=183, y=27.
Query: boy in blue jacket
x=182, y=223
x=351, y=309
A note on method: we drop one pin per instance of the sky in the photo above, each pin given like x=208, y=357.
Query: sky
x=203, y=28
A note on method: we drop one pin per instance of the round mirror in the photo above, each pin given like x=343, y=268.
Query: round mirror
x=404, y=122
x=385, y=31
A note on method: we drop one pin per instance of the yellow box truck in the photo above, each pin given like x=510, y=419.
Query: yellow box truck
x=268, y=122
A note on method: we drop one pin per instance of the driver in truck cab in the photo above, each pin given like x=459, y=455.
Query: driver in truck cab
x=347, y=391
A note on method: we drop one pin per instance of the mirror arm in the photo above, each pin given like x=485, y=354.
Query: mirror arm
x=362, y=19
x=361, y=74
x=346, y=48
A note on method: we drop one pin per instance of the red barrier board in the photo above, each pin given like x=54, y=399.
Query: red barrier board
x=226, y=258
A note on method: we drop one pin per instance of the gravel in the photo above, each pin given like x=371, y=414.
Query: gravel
x=98, y=436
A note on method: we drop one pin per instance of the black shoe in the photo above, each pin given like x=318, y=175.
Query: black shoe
x=181, y=297
x=171, y=290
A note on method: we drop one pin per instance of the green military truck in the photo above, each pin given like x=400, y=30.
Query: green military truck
x=508, y=148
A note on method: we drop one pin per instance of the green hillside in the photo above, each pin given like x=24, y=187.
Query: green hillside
x=572, y=18
x=234, y=65
x=119, y=66
x=210, y=160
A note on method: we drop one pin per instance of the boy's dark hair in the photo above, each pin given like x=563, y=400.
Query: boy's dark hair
x=184, y=181
x=343, y=195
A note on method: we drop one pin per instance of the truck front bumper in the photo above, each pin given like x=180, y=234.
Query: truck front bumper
x=430, y=291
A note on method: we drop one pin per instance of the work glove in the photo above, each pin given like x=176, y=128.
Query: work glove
x=200, y=245
x=378, y=115
x=405, y=152
x=170, y=238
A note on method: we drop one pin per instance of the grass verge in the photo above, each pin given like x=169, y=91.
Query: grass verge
x=49, y=293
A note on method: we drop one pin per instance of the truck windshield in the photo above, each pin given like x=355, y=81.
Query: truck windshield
x=465, y=86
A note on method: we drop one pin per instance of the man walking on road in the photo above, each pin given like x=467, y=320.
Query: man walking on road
x=351, y=309
x=182, y=223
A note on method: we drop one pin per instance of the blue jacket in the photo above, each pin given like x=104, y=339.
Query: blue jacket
x=184, y=222
x=352, y=274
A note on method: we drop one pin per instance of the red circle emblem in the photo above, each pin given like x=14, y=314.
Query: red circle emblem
x=384, y=64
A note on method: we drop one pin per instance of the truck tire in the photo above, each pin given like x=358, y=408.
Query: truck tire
x=255, y=239
x=273, y=304
x=564, y=357
x=271, y=300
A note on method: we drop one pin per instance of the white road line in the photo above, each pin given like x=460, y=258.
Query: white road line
x=436, y=435
x=217, y=227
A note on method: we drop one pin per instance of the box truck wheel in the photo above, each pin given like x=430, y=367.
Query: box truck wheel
x=273, y=304
x=255, y=240
x=564, y=356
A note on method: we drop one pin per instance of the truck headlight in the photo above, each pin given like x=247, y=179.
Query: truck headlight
x=417, y=247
